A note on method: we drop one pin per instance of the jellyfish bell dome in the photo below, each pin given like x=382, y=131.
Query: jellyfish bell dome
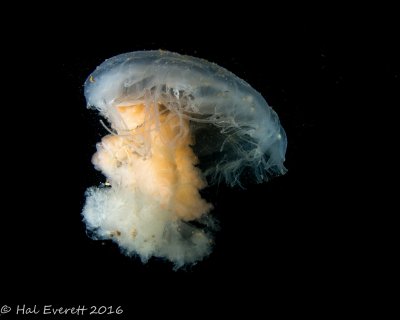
x=244, y=132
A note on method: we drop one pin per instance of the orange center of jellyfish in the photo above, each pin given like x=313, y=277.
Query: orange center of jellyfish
x=153, y=155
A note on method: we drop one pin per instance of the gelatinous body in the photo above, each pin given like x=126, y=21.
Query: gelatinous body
x=176, y=122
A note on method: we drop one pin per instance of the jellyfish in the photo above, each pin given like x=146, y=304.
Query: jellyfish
x=176, y=124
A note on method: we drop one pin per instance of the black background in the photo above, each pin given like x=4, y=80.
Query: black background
x=286, y=240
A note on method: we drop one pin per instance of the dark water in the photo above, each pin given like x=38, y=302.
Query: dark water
x=282, y=237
